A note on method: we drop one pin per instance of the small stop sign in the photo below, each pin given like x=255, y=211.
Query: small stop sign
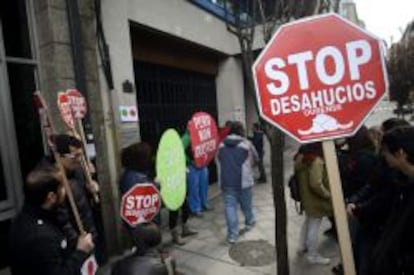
x=319, y=78
x=140, y=204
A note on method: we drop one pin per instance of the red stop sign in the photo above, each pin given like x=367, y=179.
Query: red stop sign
x=204, y=138
x=77, y=103
x=319, y=78
x=65, y=110
x=140, y=204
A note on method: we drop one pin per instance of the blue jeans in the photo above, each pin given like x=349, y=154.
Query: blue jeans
x=231, y=200
x=197, y=185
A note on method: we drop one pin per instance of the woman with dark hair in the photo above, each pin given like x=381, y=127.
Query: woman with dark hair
x=136, y=159
x=310, y=172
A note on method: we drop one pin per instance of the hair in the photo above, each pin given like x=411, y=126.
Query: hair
x=310, y=152
x=392, y=123
x=237, y=128
x=42, y=180
x=63, y=143
x=145, y=236
x=361, y=140
x=400, y=138
x=137, y=156
x=228, y=123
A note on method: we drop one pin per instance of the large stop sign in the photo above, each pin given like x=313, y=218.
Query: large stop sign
x=319, y=78
x=140, y=204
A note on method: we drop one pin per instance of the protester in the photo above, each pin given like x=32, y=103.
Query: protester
x=197, y=181
x=370, y=206
x=136, y=161
x=37, y=244
x=257, y=140
x=235, y=158
x=224, y=131
x=311, y=174
x=394, y=253
x=362, y=163
x=70, y=150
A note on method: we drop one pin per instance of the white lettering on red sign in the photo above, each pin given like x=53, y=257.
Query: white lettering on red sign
x=139, y=202
x=202, y=122
x=358, y=53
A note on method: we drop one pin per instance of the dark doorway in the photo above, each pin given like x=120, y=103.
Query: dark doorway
x=167, y=98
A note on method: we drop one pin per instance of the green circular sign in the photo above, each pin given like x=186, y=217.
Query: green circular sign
x=171, y=169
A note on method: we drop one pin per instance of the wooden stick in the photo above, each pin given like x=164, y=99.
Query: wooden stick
x=69, y=194
x=337, y=197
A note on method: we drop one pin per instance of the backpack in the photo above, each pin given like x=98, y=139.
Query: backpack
x=293, y=185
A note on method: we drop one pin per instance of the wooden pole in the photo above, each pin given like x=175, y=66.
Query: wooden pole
x=69, y=194
x=338, y=203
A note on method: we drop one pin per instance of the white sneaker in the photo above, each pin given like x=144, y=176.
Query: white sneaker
x=318, y=259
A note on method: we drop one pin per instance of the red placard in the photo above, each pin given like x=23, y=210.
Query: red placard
x=319, y=78
x=65, y=110
x=77, y=103
x=140, y=204
x=204, y=138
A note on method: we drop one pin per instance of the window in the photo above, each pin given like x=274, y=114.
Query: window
x=21, y=143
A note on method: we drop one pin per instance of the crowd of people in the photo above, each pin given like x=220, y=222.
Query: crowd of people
x=46, y=237
x=376, y=169
x=377, y=172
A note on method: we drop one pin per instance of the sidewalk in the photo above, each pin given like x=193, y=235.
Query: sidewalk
x=208, y=253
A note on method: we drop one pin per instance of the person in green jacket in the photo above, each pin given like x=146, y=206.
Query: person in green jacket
x=310, y=172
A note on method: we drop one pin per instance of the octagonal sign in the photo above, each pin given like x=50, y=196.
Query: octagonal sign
x=319, y=78
x=140, y=204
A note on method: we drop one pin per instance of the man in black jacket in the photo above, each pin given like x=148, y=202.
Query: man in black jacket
x=37, y=245
x=70, y=150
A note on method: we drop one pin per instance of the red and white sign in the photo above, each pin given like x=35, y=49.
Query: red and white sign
x=65, y=109
x=140, y=204
x=77, y=103
x=320, y=77
x=90, y=266
x=204, y=138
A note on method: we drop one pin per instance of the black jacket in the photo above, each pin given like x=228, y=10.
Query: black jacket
x=374, y=198
x=65, y=216
x=394, y=253
x=37, y=246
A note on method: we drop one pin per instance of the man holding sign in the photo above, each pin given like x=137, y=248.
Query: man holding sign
x=37, y=245
x=70, y=150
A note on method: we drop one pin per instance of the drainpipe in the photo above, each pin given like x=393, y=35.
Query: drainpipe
x=78, y=56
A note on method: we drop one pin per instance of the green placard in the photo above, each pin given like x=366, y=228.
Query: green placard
x=171, y=169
